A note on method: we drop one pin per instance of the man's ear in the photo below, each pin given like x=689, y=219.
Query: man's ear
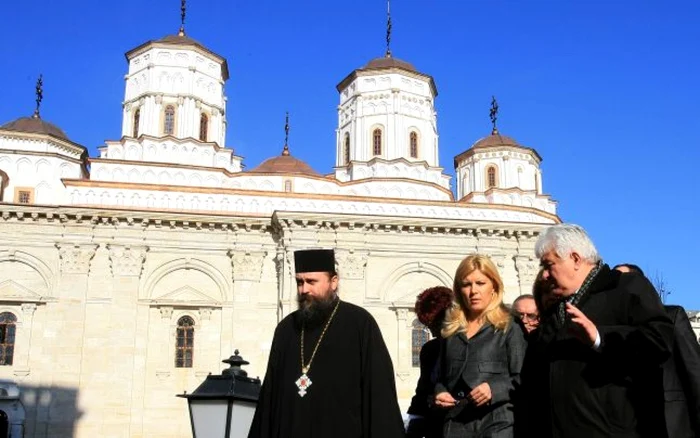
x=334, y=282
x=577, y=260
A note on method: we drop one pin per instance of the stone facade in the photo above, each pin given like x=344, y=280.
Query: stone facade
x=98, y=295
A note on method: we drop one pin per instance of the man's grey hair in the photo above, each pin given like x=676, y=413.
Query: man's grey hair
x=565, y=239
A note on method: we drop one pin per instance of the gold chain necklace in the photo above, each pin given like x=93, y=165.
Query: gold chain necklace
x=303, y=382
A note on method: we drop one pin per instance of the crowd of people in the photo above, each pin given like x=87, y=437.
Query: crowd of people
x=592, y=352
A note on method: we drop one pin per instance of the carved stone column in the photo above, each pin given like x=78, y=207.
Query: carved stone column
x=23, y=339
x=403, y=342
x=527, y=271
x=166, y=349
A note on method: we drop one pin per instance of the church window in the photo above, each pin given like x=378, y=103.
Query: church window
x=288, y=186
x=413, y=144
x=24, y=195
x=169, y=125
x=184, y=348
x=137, y=120
x=8, y=325
x=491, y=180
x=377, y=142
x=420, y=335
x=203, y=127
x=346, y=149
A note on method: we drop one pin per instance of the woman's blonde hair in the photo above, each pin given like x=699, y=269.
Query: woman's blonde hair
x=495, y=313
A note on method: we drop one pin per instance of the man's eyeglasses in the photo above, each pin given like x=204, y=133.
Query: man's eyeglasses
x=528, y=316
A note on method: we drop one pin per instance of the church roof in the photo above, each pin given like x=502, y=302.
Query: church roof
x=492, y=141
x=495, y=140
x=179, y=40
x=285, y=163
x=35, y=125
x=386, y=62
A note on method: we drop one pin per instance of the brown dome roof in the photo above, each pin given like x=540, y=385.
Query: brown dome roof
x=180, y=40
x=284, y=163
x=495, y=140
x=386, y=62
x=35, y=125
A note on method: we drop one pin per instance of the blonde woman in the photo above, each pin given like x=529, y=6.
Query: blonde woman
x=482, y=353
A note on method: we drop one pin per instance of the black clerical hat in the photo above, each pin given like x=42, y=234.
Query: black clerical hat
x=314, y=260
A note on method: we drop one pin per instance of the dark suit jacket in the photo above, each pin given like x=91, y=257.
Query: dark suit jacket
x=681, y=377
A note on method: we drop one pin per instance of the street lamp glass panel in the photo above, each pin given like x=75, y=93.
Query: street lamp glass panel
x=209, y=418
x=241, y=418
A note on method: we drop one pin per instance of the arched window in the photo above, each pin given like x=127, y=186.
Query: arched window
x=413, y=146
x=8, y=325
x=346, y=149
x=377, y=142
x=465, y=183
x=4, y=181
x=420, y=335
x=520, y=177
x=203, y=127
x=137, y=120
x=169, y=125
x=491, y=177
x=184, y=347
x=288, y=186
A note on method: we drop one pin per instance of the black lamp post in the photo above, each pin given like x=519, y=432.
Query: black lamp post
x=223, y=406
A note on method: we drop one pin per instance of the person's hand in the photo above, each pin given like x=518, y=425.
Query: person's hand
x=445, y=400
x=480, y=395
x=584, y=329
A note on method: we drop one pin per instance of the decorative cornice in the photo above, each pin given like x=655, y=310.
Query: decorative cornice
x=291, y=197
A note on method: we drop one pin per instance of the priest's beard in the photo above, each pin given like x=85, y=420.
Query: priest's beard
x=313, y=311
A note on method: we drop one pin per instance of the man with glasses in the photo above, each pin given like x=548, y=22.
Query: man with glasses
x=525, y=309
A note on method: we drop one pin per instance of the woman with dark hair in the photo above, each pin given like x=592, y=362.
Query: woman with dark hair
x=480, y=356
x=430, y=309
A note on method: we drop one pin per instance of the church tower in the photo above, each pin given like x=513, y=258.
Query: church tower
x=174, y=111
x=499, y=170
x=175, y=87
x=387, y=124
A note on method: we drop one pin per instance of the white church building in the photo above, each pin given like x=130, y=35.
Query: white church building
x=125, y=278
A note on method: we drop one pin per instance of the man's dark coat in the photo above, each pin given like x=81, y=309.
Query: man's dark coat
x=681, y=379
x=571, y=390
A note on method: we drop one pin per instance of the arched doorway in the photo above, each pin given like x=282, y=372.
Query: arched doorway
x=4, y=424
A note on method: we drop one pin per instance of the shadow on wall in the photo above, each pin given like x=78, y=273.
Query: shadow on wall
x=50, y=411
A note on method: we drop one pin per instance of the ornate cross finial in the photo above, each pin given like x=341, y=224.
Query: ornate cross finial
x=183, y=11
x=39, y=96
x=285, y=151
x=493, y=114
x=388, y=28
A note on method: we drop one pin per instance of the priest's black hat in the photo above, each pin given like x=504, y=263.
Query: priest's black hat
x=314, y=260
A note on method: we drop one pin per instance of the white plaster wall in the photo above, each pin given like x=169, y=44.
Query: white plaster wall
x=43, y=174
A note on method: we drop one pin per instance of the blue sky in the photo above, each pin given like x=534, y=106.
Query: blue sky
x=607, y=91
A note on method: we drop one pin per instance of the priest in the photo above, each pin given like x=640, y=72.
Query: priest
x=329, y=373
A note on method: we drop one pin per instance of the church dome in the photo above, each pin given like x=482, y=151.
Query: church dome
x=387, y=62
x=35, y=125
x=495, y=140
x=285, y=163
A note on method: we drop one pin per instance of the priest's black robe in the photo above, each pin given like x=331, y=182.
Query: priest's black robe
x=352, y=394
